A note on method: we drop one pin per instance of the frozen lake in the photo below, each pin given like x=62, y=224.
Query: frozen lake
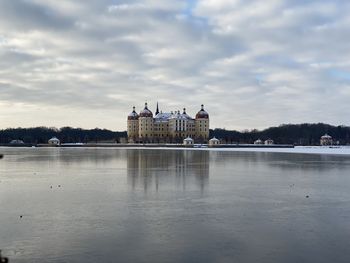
x=156, y=205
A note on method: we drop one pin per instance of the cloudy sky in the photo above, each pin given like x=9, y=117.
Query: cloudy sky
x=252, y=63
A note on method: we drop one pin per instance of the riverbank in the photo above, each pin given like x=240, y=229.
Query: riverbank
x=327, y=150
x=151, y=145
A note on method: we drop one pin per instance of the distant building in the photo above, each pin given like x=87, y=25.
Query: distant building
x=54, y=141
x=188, y=141
x=167, y=126
x=269, y=142
x=258, y=141
x=214, y=141
x=326, y=140
x=16, y=142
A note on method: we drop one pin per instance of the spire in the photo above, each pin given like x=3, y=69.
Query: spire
x=157, y=110
x=184, y=111
x=133, y=109
x=202, y=107
x=146, y=105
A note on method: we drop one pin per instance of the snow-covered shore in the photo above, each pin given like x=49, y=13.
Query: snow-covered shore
x=341, y=150
x=332, y=150
x=327, y=150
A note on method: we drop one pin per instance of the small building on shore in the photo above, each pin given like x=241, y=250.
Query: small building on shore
x=188, y=141
x=258, y=142
x=269, y=142
x=213, y=141
x=326, y=140
x=16, y=142
x=54, y=141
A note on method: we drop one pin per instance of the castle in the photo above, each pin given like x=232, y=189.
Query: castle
x=167, y=127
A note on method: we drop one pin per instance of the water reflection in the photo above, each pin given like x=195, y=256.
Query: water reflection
x=283, y=161
x=150, y=168
x=67, y=156
x=148, y=205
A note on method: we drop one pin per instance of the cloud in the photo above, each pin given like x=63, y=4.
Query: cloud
x=252, y=63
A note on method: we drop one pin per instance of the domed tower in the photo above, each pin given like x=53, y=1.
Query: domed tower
x=146, y=125
x=133, y=126
x=202, y=125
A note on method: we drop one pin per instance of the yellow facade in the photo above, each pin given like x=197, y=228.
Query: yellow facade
x=170, y=127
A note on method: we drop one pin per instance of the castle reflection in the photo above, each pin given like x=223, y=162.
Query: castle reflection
x=154, y=169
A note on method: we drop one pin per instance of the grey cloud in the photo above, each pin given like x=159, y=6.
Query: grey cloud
x=254, y=63
x=26, y=15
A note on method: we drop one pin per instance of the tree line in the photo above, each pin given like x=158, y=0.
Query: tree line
x=39, y=135
x=297, y=134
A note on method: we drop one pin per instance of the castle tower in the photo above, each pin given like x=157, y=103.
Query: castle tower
x=133, y=126
x=146, y=125
x=157, y=110
x=202, y=125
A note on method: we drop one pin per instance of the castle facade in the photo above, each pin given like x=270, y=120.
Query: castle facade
x=167, y=127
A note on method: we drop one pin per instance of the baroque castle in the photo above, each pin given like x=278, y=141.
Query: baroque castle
x=167, y=127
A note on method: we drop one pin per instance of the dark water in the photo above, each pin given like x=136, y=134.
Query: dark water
x=115, y=205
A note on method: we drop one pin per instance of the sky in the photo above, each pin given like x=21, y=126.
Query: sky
x=252, y=63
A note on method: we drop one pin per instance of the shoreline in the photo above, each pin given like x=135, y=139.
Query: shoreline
x=150, y=145
x=323, y=150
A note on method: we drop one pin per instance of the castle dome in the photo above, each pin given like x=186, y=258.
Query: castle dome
x=202, y=114
x=133, y=115
x=146, y=112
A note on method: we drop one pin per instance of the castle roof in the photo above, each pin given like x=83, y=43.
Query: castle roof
x=146, y=112
x=177, y=115
x=202, y=114
x=180, y=116
x=166, y=116
x=326, y=136
x=133, y=115
x=162, y=117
